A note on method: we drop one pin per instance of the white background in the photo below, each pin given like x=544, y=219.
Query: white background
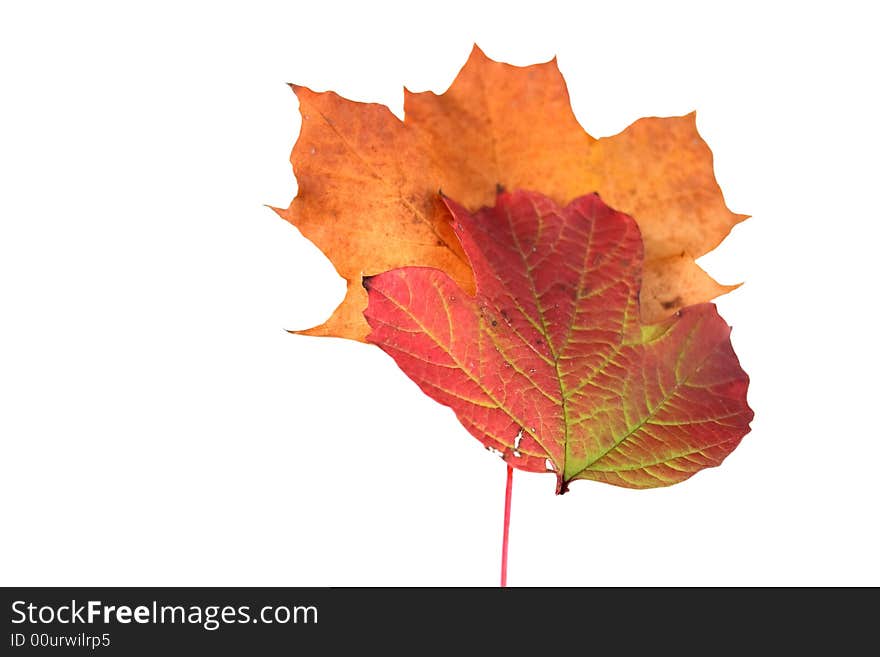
x=158, y=425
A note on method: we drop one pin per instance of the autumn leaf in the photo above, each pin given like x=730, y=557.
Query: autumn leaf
x=549, y=364
x=368, y=182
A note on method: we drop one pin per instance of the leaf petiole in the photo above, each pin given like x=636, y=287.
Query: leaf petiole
x=504, y=540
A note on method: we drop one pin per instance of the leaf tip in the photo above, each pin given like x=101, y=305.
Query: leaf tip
x=476, y=51
x=279, y=211
x=300, y=90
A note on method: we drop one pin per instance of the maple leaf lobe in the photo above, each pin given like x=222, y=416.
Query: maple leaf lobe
x=548, y=361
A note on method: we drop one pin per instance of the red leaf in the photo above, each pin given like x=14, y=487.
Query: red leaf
x=548, y=364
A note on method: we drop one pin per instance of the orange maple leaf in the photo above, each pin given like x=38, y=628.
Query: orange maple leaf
x=368, y=182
